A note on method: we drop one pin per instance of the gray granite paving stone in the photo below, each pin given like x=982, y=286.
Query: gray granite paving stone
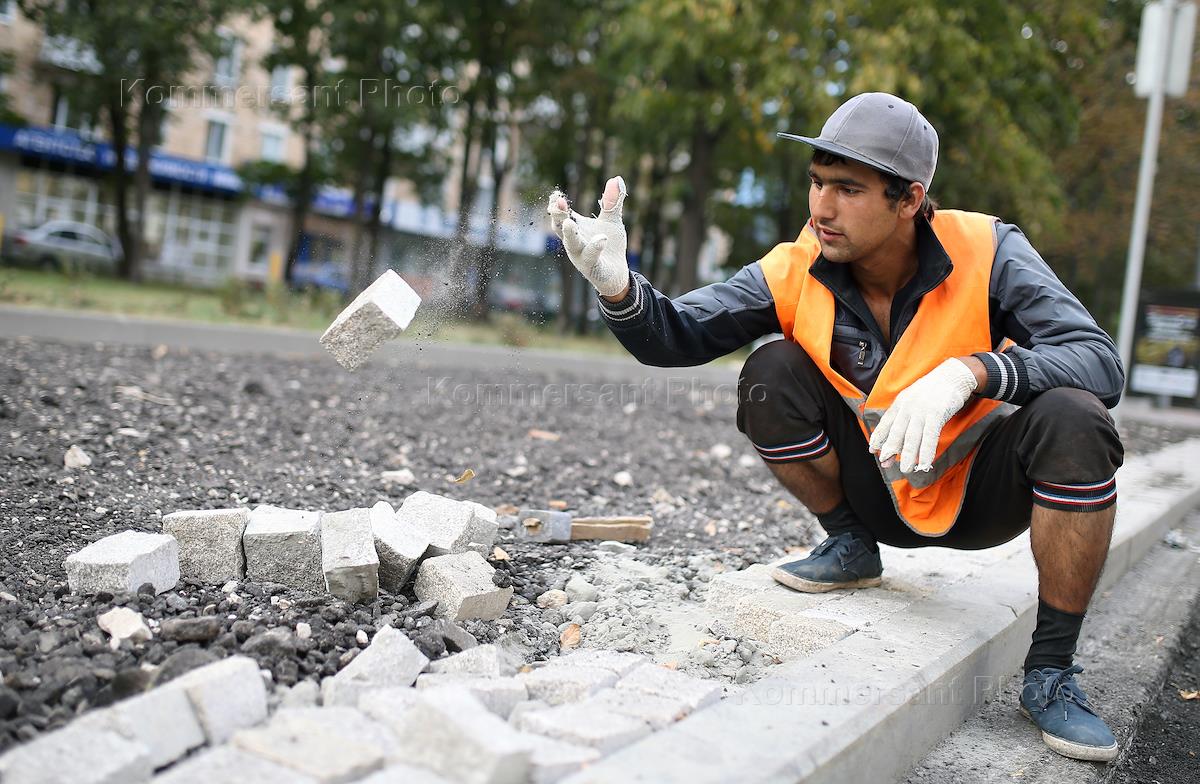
x=124, y=562
x=655, y=710
x=162, y=720
x=227, y=696
x=348, y=556
x=696, y=693
x=487, y=659
x=498, y=694
x=566, y=683
x=230, y=765
x=399, y=547
x=390, y=660
x=599, y=729
x=77, y=755
x=619, y=662
x=452, y=733
x=284, y=546
x=210, y=543
x=551, y=760
x=451, y=526
x=317, y=742
x=461, y=584
x=380, y=313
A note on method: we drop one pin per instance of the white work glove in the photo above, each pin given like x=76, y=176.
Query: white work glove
x=912, y=425
x=596, y=246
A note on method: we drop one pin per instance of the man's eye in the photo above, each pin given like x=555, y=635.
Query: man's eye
x=851, y=191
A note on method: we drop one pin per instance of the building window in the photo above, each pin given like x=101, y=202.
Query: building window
x=66, y=115
x=216, y=143
x=260, y=246
x=229, y=64
x=272, y=145
x=281, y=83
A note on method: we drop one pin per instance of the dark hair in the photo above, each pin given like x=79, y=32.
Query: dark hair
x=895, y=187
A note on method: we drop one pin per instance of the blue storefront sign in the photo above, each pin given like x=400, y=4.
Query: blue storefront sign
x=64, y=146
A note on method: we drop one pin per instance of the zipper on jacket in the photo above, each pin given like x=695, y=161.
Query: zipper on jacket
x=862, y=347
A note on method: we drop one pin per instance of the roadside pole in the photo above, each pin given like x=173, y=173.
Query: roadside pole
x=1158, y=69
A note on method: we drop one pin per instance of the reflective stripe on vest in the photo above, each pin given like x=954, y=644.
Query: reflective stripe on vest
x=951, y=321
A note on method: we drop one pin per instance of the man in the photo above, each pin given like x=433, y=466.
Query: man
x=937, y=384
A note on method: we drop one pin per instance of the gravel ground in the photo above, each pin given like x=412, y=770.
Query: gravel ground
x=170, y=430
x=1166, y=748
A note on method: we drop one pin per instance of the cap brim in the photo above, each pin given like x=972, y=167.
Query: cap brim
x=837, y=149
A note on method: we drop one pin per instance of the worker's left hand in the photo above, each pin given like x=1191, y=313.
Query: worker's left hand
x=912, y=425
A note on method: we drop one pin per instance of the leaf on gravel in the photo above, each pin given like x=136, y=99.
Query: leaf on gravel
x=466, y=476
x=498, y=554
x=556, y=504
x=710, y=528
x=543, y=435
x=570, y=637
x=1189, y=694
x=505, y=509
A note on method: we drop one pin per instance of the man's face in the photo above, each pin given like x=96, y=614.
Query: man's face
x=852, y=216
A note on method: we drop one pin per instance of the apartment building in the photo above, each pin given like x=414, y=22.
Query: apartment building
x=203, y=223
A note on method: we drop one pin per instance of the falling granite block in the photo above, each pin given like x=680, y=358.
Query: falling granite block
x=381, y=312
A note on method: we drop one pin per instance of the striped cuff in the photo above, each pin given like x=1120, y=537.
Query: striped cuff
x=1007, y=378
x=630, y=308
x=809, y=449
x=1088, y=497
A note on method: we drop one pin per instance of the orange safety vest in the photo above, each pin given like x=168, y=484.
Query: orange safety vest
x=951, y=321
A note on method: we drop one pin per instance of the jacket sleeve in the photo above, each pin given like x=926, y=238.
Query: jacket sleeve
x=1058, y=343
x=696, y=327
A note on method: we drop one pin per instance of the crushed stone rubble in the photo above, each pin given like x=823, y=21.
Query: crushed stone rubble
x=219, y=436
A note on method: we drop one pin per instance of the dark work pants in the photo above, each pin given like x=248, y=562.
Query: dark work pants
x=1061, y=451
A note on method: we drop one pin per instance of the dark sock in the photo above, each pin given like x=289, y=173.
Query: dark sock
x=841, y=520
x=1054, y=638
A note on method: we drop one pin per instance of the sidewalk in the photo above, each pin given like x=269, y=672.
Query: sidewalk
x=871, y=704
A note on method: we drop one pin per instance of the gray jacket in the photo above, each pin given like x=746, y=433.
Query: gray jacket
x=1058, y=343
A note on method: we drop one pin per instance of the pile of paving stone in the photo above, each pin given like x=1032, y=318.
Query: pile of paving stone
x=350, y=554
x=391, y=715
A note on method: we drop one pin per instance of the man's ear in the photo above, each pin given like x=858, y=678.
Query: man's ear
x=910, y=205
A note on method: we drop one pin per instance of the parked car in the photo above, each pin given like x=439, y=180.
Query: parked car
x=321, y=275
x=62, y=245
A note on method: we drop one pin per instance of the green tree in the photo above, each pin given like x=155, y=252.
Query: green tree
x=141, y=53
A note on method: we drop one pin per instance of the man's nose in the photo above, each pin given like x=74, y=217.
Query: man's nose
x=822, y=204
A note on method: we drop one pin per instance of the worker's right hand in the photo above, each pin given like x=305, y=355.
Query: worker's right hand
x=596, y=246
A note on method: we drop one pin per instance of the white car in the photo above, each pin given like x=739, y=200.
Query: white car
x=61, y=245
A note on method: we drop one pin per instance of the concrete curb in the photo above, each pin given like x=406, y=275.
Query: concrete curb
x=1127, y=647
x=870, y=706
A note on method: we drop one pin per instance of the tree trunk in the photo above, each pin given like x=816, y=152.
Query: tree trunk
x=359, y=265
x=117, y=121
x=652, y=245
x=302, y=198
x=693, y=223
x=149, y=117
x=374, y=225
x=501, y=166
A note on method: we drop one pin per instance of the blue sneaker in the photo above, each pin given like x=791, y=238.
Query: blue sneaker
x=841, y=561
x=1053, y=701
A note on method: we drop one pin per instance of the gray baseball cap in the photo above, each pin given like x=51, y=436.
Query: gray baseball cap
x=882, y=131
